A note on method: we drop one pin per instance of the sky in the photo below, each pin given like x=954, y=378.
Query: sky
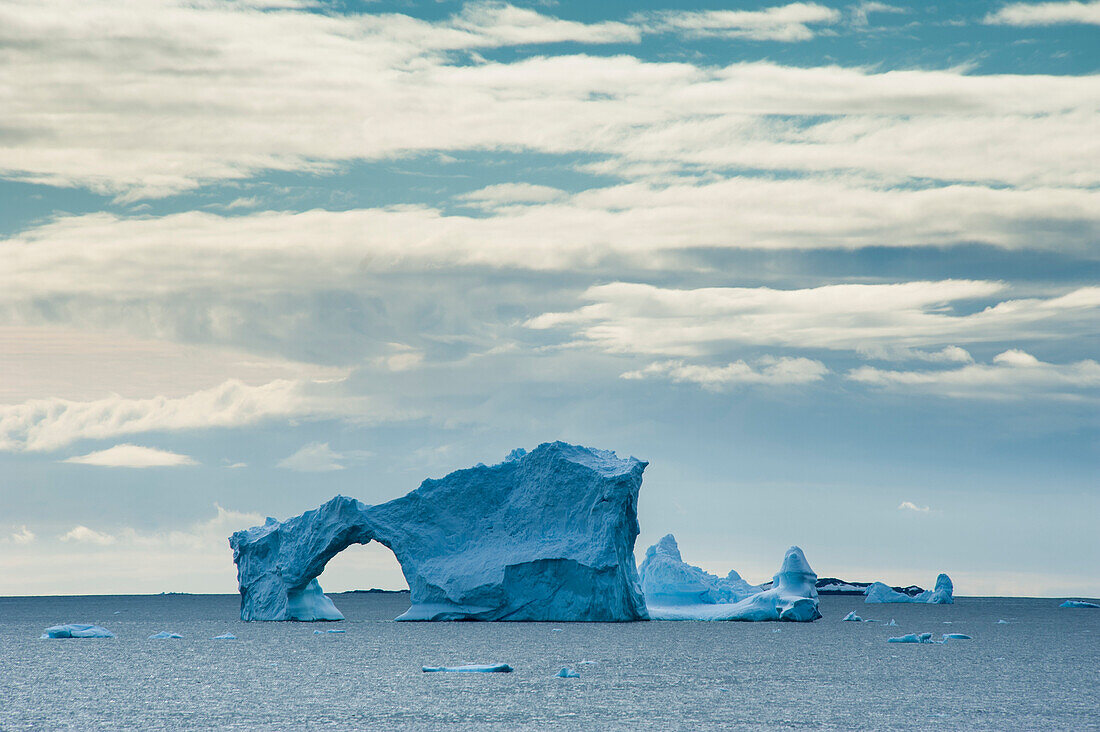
x=833, y=269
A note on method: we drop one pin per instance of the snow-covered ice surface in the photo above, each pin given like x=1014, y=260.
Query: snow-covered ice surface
x=792, y=596
x=668, y=580
x=1079, y=604
x=76, y=630
x=942, y=594
x=472, y=668
x=545, y=535
x=1037, y=673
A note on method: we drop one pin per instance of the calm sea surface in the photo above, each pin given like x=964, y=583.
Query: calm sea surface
x=1041, y=670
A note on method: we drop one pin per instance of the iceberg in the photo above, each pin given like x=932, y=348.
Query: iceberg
x=943, y=594
x=546, y=535
x=473, y=668
x=853, y=618
x=1079, y=603
x=792, y=596
x=956, y=636
x=568, y=673
x=668, y=580
x=225, y=636
x=76, y=630
x=912, y=638
x=164, y=635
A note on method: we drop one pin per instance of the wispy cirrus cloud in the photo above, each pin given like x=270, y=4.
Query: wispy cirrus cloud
x=1049, y=13
x=910, y=506
x=316, y=457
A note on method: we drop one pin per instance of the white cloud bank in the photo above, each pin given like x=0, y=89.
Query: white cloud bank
x=84, y=535
x=49, y=424
x=1052, y=13
x=768, y=372
x=290, y=89
x=782, y=23
x=132, y=456
x=1013, y=374
x=644, y=319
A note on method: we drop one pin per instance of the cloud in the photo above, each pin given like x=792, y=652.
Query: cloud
x=84, y=535
x=316, y=457
x=910, y=506
x=234, y=466
x=22, y=537
x=770, y=371
x=306, y=91
x=1040, y=14
x=1013, y=374
x=49, y=424
x=132, y=456
x=192, y=558
x=781, y=23
x=644, y=319
x=860, y=12
x=510, y=194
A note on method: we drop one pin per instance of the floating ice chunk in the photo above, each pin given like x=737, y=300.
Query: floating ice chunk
x=956, y=636
x=1002, y=622
x=668, y=580
x=892, y=623
x=473, y=668
x=777, y=630
x=324, y=632
x=853, y=618
x=77, y=630
x=546, y=535
x=1079, y=603
x=943, y=594
x=911, y=638
x=555, y=630
x=225, y=636
x=164, y=635
x=568, y=673
x=793, y=596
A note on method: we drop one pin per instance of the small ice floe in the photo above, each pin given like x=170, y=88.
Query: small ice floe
x=1002, y=622
x=164, y=635
x=568, y=673
x=117, y=612
x=225, y=636
x=777, y=630
x=77, y=630
x=956, y=636
x=472, y=668
x=584, y=663
x=892, y=624
x=1079, y=603
x=555, y=630
x=853, y=618
x=323, y=632
x=912, y=638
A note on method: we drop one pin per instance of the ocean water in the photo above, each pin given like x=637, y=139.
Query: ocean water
x=1041, y=670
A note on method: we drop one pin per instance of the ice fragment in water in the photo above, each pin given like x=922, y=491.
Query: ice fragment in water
x=473, y=668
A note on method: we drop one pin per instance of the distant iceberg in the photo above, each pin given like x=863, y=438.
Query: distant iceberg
x=225, y=636
x=546, y=535
x=956, y=636
x=668, y=580
x=76, y=630
x=792, y=596
x=488, y=668
x=164, y=635
x=568, y=673
x=912, y=638
x=943, y=594
x=853, y=618
x=1079, y=603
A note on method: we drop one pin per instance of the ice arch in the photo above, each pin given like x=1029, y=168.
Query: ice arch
x=545, y=535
